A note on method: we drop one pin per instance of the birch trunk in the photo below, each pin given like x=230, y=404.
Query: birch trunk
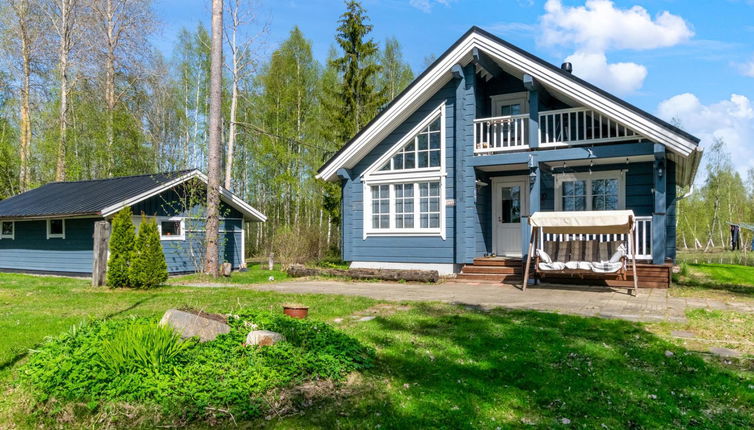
x=215, y=112
x=22, y=11
x=64, y=32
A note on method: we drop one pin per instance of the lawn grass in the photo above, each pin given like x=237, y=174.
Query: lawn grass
x=256, y=273
x=712, y=328
x=438, y=366
x=724, y=282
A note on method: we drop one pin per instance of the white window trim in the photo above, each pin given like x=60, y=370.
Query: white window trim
x=55, y=236
x=11, y=236
x=510, y=98
x=620, y=175
x=181, y=236
x=373, y=176
x=369, y=231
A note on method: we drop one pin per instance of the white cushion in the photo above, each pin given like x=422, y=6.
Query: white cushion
x=606, y=267
x=552, y=266
x=578, y=265
x=618, y=254
x=544, y=256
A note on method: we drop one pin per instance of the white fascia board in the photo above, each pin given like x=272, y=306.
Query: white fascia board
x=110, y=210
x=225, y=195
x=440, y=74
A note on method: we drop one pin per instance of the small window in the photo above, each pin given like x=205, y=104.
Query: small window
x=7, y=230
x=171, y=229
x=56, y=229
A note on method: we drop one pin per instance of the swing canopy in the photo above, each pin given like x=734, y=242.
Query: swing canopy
x=583, y=222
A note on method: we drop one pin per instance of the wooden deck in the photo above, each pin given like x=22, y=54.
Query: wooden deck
x=510, y=271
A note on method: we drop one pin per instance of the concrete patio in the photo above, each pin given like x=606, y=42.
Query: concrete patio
x=651, y=305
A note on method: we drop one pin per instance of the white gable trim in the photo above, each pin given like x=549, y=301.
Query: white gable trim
x=225, y=195
x=374, y=173
x=440, y=74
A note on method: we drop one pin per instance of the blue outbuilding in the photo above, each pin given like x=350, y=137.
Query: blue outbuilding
x=50, y=229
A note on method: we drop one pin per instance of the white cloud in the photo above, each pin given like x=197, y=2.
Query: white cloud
x=599, y=26
x=747, y=69
x=731, y=120
x=621, y=78
x=426, y=5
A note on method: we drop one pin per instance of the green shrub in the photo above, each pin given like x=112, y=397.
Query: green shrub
x=121, y=249
x=188, y=380
x=147, y=347
x=148, y=267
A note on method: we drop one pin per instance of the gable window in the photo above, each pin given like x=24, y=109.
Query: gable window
x=599, y=191
x=421, y=152
x=7, y=230
x=56, y=229
x=171, y=228
x=404, y=188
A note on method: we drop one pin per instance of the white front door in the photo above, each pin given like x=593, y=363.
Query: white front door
x=510, y=198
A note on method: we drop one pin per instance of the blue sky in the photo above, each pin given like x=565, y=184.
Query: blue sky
x=690, y=60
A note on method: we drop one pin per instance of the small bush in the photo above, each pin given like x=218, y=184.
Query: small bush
x=148, y=267
x=128, y=361
x=121, y=249
x=296, y=245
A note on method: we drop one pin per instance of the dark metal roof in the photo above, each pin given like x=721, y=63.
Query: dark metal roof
x=534, y=58
x=78, y=198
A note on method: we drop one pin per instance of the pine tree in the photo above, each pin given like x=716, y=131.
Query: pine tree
x=121, y=249
x=148, y=267
x=358, y=95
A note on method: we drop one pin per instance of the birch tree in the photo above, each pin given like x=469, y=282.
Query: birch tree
x=121, y=30
x=395, y=74
x=64, y=18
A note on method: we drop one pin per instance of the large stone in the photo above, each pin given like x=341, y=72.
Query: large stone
x=263, y=338
x=195, y=323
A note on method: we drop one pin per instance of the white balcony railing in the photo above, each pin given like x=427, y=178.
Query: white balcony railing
x=578, y=126
x=556, y=127
x=642, y=238
x=502, y=133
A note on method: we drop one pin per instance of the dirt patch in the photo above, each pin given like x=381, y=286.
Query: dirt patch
x=294, y=400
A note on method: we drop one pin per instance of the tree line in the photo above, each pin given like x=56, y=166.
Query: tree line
x=84, y=94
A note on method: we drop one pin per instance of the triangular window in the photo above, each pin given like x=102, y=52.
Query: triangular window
x=421, y=152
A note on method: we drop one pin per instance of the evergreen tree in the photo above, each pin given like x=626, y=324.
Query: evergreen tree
x=148, y=267
x=396, y=74
x=121, y=249
x=359, y=99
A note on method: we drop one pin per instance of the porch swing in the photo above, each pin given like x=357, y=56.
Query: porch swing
x=582, y=244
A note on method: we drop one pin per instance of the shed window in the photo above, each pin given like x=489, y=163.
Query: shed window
x=7, y=230
x=171, y=229
x=56, y=229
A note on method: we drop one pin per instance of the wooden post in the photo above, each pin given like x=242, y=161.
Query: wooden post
x=631, y=246
x=528, y=258
x=101, y=247
x=271, y=261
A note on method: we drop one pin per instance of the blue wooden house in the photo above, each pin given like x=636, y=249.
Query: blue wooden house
x=449, y=172
x=50, y=229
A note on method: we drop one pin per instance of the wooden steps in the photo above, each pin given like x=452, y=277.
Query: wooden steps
x=492, y=270
x=510, y=271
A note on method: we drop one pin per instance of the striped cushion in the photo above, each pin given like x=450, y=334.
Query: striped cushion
x=577, y=250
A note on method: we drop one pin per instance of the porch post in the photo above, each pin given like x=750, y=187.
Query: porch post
x=535, y=196
x=659, y=228
x=531, y=86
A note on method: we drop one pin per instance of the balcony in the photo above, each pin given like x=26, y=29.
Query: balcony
x=576, y=126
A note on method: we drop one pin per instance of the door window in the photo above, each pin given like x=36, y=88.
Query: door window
x=510, y=109
x=511, y=204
